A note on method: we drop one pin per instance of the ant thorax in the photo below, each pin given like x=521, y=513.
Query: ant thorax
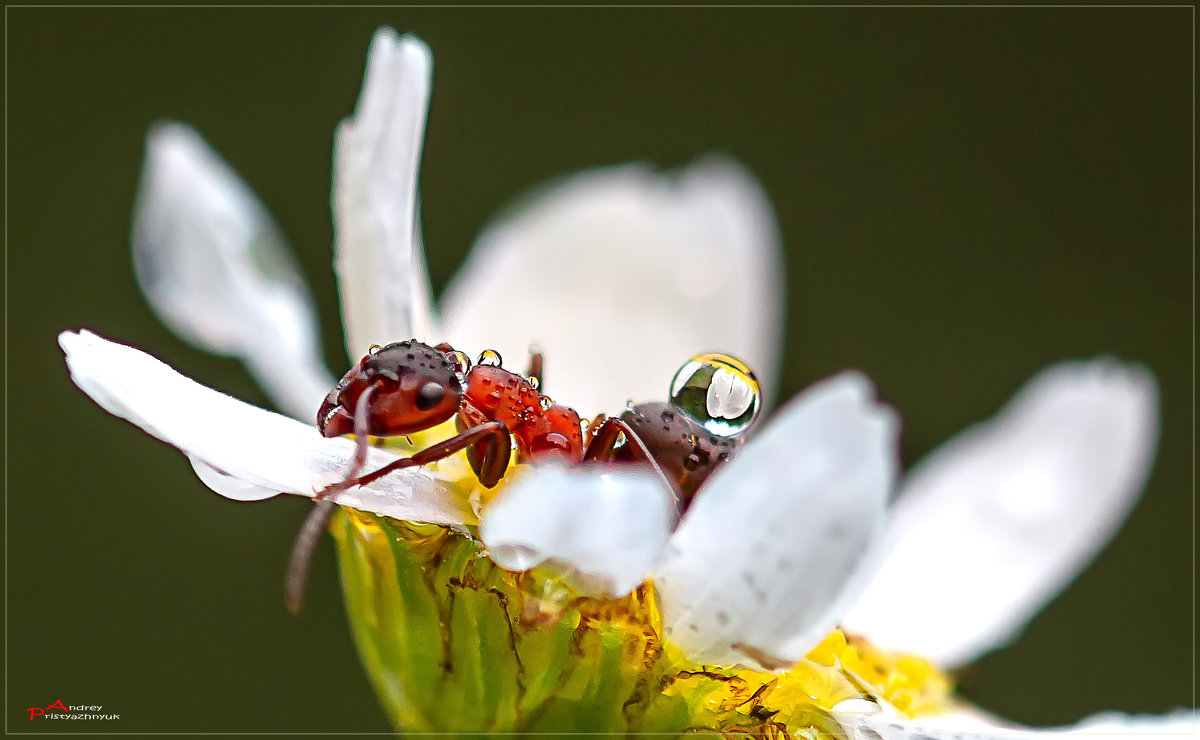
x=537, y=424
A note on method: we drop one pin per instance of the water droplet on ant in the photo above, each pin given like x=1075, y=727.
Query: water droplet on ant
x=719, y=391
x=546, y=402
x=533, y=382
x=490, y=357
x=461, y=359
x=374, y=349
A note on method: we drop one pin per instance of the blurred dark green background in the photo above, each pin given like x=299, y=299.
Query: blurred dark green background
x=966, y=195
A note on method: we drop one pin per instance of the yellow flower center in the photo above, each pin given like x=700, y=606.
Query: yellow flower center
x=454, y=643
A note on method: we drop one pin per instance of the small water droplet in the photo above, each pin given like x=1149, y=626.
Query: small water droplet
x=462, y=363
x=490, y=357
x=373, y=349
x=546, y=402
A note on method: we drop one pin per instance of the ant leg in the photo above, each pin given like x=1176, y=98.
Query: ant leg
x=594, y=425
x=600, y=449
x=537, y=365
x=495, y=461
x=295, y=582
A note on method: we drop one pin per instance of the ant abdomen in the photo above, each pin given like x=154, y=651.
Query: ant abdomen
x=686, y=451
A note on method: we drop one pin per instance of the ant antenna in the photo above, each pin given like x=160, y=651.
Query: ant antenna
x=295, y=582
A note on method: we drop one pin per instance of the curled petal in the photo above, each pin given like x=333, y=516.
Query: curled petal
x=607, y=527
x=381, y=271
x=1183, y=723
x=774, y=546
x=238, y=450
x=216, y=268
x=994, y=523
x=1129, y=727
x=620, y=275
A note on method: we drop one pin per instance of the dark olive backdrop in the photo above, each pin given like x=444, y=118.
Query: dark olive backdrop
x=966, y=195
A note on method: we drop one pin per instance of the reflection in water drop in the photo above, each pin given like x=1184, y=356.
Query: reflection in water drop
x=719, y=391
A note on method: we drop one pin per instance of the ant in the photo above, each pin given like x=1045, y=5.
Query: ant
x=409, y=386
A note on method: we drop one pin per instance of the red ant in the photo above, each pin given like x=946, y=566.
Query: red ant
x=408, y=386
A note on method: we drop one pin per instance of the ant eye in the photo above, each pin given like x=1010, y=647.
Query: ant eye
x=430, y=395
x=719, y=391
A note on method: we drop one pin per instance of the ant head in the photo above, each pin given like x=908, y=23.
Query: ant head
x=719, y=391
x=415, y=387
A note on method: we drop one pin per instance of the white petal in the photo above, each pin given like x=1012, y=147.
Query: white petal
x=774, y=546
x=1183, y=723
x=1179, y=724
x=216, y=268
x=995, y=522
x=381, y=273
x=607, y=526
x=239, y=450
x=621, y=275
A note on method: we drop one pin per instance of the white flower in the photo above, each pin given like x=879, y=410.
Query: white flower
x=796, y=534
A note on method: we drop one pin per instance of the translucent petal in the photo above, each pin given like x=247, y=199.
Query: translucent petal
x=776, y=545
x=994, y=523
x=621, y=275
x=1106, y=726
x=607, y=527
x=216, y=268
x=381, y=272
x=228, y=485
x=239, y=450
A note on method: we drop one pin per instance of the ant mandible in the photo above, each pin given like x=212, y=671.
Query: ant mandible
x=409, y=386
